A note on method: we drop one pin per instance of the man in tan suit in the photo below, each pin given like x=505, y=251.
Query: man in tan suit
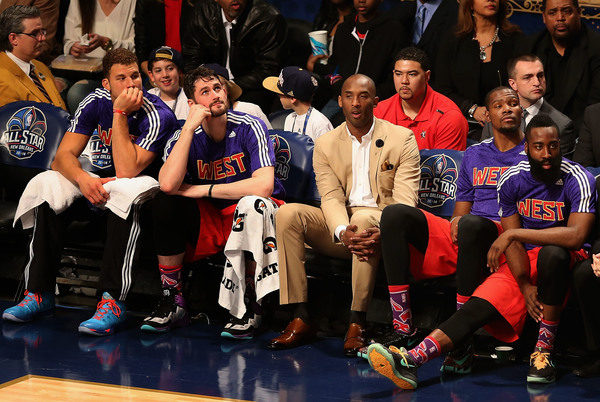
x=361, y=167
x=49, y=12
x=21, y=76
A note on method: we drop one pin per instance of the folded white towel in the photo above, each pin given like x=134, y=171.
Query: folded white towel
x=124, y=192
x=55, y=189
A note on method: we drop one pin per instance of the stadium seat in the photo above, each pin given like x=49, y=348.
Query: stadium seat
x=31, y=133
x=439, y=174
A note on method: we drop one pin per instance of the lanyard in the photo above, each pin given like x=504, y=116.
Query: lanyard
x=305, y=121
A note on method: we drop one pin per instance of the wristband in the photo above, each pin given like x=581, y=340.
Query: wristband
x=472, y=110
x=124, y=113
x=210, y=190
x=454, y=219
x=342, y=237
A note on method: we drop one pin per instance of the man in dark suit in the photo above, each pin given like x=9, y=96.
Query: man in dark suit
x=570, y=53
x=526, y=76
x=426, y=21
x=587, y=152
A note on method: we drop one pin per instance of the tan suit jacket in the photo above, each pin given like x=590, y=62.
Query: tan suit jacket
x=394, y=169
x=15, y=85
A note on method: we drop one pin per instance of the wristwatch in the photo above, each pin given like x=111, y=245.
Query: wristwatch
x=108, y=46
x=472, y=110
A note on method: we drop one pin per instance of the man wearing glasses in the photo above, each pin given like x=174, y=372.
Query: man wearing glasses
x=21, y=76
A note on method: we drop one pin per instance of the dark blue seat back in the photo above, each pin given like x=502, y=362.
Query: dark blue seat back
x=30, y=133
x=277, y=118
x=293, y=154
x=439, y=175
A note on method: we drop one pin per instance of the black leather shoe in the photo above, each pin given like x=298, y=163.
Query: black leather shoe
x=588, y=371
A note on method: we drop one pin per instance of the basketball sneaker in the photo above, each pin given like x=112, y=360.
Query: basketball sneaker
x=459, y=361
x=542, y=368
x=395, y=364
x=109, y=313
x=396, y=339
x=32, y=305
x=242, y=328
x=170, y=312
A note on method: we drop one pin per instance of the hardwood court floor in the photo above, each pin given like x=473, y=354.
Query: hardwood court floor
x=48, y=360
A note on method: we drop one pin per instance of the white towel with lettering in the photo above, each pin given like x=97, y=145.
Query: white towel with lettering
x=253, y=231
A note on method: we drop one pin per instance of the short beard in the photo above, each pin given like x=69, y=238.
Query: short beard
x=546, y=176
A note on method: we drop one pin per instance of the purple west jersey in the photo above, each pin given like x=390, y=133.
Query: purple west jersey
x=246, y=148
x=150, y=128
x=480, y=170
x=542, y=206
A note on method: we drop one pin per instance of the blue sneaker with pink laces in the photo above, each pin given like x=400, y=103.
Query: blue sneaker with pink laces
x=109, y=313
x=32, y=305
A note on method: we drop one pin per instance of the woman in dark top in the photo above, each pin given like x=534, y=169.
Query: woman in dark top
x=473, y=60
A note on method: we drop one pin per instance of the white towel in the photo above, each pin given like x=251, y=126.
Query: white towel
x=55, y=189
x=254, y=231
x=124, y=192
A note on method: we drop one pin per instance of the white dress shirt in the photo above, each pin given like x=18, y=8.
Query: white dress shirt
x=228, y=27
x=361, y=194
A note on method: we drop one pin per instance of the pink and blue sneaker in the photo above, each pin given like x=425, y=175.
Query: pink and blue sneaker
x=33, y=304
x=109, y=313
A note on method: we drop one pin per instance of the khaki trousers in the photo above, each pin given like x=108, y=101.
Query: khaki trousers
x=298, y=224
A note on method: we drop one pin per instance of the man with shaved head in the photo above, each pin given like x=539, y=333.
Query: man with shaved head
x=361, y=167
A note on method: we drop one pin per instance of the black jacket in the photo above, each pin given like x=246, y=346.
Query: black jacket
x=149, y=25
x=375, y=59
x=582, y=70
x=257, y=41
x=442, y=21
x=458, y=68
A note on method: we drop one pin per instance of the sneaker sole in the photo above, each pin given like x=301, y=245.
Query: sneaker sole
x=14, y=318
x=454, y=370
x=229, y=335
x=541, y=380
x=89, y=331
x=182, y=322
x=383, y=362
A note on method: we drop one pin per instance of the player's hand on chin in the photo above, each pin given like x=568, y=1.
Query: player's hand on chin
x=129, y=100
x=198, y=114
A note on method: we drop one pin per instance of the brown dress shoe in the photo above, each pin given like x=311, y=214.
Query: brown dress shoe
x=354, y=339
x=295, y=334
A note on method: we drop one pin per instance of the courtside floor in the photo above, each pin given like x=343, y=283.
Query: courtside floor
x=48, y=360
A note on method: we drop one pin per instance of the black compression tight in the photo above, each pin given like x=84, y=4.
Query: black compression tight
x=473, y=315
x=475, y=236
x=401, y=226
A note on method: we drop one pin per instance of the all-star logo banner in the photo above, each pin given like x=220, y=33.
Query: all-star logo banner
x=25, y=131
x=438, y=180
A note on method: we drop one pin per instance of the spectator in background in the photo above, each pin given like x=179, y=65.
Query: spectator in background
x=526, y=76
x=436, y=121
x=365, y=45
x=165, y=66
x=49, y=12
x=467, y=69
x=158, y=23
x=245, y=36
x=570, y=53
x=587, y=151
x=21, y=76
x=108, y=25
x=331, y=14
x=426, y=22
x=296, y=88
